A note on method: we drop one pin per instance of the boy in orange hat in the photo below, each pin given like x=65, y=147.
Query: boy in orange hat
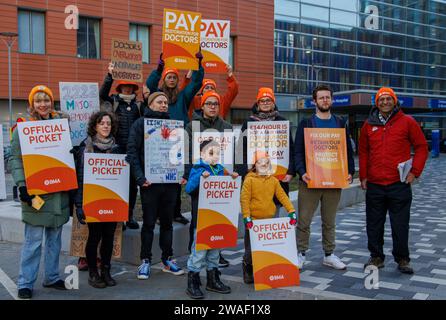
x=127, y=110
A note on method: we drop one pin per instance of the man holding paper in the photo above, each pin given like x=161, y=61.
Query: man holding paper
x=386, y=139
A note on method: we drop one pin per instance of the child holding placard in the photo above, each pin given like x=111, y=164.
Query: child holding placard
x=208, y=165
x=257, y=202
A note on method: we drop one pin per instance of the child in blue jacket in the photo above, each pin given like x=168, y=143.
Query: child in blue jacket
x=207, y=165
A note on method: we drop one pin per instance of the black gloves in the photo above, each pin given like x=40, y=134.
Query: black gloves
x=80, y=215
x=199, y=56
x=24, y=196
x=160, y=63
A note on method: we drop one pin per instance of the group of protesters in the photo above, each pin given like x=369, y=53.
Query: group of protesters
x=386, y=140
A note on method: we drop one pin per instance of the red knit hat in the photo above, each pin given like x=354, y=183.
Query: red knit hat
x=209, y=94
x=169, y=70
x=207, y=82
x=127, y=83
x=383, y=91
x=266, y=93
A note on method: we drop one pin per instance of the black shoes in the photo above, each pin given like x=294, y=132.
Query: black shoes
x=25, y=293
x=248, y=276
x=222, y=262
x=58, y=285
x=132, y=224
x=95, y=280
x=181, y=219
x=214, y=284
x=404, y=267
x=106, y=277
x=193, y=285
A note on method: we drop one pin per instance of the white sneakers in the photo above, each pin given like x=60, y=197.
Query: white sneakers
x=300, y=260
x=334, y=262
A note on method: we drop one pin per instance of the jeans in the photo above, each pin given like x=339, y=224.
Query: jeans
x=31, y=252
x=203, y=258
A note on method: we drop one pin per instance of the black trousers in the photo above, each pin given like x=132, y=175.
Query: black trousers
x=98, y=231
x=177, y=211
x=395, y=199
x=133, y=192
x=158, y=200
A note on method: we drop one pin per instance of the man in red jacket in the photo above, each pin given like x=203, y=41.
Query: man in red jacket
x=385, y=141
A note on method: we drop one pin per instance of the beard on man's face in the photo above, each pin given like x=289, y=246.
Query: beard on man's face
x=323, y=108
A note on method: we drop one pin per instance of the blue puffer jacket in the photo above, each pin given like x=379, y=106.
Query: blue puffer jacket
x=179, y=110
x=197, y=170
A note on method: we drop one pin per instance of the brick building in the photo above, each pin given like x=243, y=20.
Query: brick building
x=46, y=52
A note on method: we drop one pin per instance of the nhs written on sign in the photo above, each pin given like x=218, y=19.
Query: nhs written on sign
x=338, y=101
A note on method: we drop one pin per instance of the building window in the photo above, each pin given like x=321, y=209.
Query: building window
x=141, y=33
x=231, y=51
x=89, y=38
x=31, y=32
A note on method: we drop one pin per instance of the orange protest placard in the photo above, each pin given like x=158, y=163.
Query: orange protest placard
x=181, y=38
x=274, y=254
x=106, y=187
x=215, y=37
x=126, y=56
x=326, y=157
x=218, y=211
x=47, y=161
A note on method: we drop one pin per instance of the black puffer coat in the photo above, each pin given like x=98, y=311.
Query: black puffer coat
x=126, y=113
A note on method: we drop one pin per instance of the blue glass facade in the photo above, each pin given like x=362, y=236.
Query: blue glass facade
x=334, y=41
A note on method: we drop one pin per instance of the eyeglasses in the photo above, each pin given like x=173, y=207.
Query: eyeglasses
x=212, y=104
x=265, y=101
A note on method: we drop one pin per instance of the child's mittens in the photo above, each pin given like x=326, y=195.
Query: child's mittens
x=293, y=218
x=248, y=223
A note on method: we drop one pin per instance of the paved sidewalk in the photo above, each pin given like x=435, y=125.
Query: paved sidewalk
x=427, y=244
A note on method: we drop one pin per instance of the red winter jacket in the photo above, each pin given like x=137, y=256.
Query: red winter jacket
x=383, y=147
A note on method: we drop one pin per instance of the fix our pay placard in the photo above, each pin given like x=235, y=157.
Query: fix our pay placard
x=181, y=38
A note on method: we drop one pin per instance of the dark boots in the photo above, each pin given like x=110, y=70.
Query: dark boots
x=248, y=276
x=95, y=280
x=132, y=224
x=214, y=284
x=106, y=277
x=193, y=285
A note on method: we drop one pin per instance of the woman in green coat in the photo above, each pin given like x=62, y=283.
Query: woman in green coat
x=49, y=219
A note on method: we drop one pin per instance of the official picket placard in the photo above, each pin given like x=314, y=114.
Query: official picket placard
x=326, y=157
x=226, y=140
x=106, y=187
x=2, y=167
x=47, y=161
x=79, y=237
x=214, y=42
x=164, y=150
x=79, y=100
x=126, y=55
x=274, y=254
x=271, y=137
x=181, y=38
x=218, y=212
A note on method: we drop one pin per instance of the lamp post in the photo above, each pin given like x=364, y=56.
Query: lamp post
x=9, y=38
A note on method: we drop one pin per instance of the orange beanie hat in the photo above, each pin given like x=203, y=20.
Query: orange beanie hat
x=169, y=70
x=209, y=94
x=266, y=93
x=383, y=91
x=206, y=82
x=39, y=88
